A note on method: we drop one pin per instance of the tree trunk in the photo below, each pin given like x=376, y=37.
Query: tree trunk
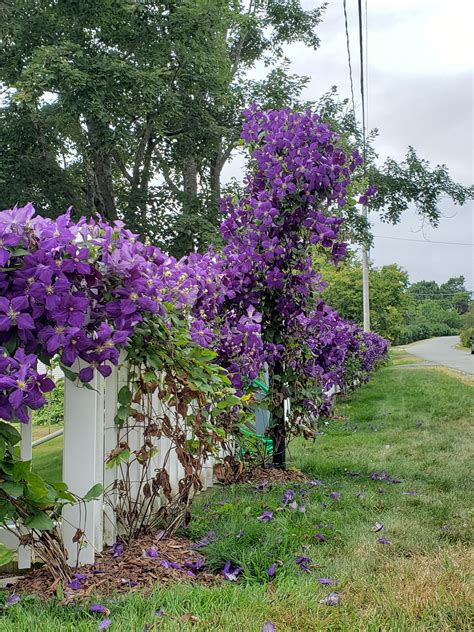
x=104, y=198
x=100, y=185
x=188, y=225
x=278, y=428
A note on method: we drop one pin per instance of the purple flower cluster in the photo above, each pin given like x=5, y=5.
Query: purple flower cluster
x=77, y=290
x=74, y=290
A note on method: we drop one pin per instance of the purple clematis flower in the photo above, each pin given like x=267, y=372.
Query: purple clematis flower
x=14, y=313
x=230, y=573
x=331, y=600
x=266, y=516
x=9, y=240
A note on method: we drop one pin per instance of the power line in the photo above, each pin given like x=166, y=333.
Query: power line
x=425, y=241
x=362, y=92
x=349, y=60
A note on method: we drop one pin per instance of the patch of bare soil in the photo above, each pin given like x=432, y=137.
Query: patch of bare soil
x=124, y=569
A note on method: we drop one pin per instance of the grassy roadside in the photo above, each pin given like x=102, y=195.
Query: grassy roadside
x=414, y=425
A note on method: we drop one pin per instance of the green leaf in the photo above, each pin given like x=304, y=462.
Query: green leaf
x=68, y=373
x=36, y=487
x=94, y=492
x=10, y=433
x=3, y=448
x=12, y=489
x=40, y=521
x=11, y=344
x=21, y=469
x=6, y=555
x=6, y=509
x=124, y=396
x=19, y=252
x=123, y=413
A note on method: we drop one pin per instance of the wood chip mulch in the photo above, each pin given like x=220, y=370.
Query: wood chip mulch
x=131, y=571
x=258, y=475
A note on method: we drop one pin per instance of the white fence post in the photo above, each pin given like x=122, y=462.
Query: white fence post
x=110, y=439
x=26, y=453
x=83, y=465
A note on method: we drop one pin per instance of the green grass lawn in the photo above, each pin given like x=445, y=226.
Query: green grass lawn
x=415, y=425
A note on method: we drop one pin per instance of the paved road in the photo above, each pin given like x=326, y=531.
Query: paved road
x=443, y=351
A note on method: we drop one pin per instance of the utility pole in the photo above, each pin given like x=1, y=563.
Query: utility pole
x=365, y=280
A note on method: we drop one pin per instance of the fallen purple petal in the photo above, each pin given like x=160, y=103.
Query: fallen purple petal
x=326, y=581
x=320, y=537
x=152, y=553
x=196, y=564
x=383, y=541
x=261, y=485
x=159, y=613
x=12, y=599
x=74, y=585
x=303, y=562
x=204, y=541
x=230, y=573
x=268, y=626
x=334, y=495
x=117, y=549
x=316, y=483
x=129, y=582
x=359, y=494
x=79, y=576
x=288, y=496
x=266, y=516
x=97, y=607
x=331, y=600
x=103, y=625
x=271, y=571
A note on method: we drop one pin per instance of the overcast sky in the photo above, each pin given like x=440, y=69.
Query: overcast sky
x=420, y=82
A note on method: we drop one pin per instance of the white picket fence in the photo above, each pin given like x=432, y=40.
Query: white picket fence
x=90, y=433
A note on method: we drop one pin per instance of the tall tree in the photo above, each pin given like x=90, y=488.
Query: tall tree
x=92, y=87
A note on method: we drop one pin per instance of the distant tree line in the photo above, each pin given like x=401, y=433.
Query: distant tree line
x=400, y=311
